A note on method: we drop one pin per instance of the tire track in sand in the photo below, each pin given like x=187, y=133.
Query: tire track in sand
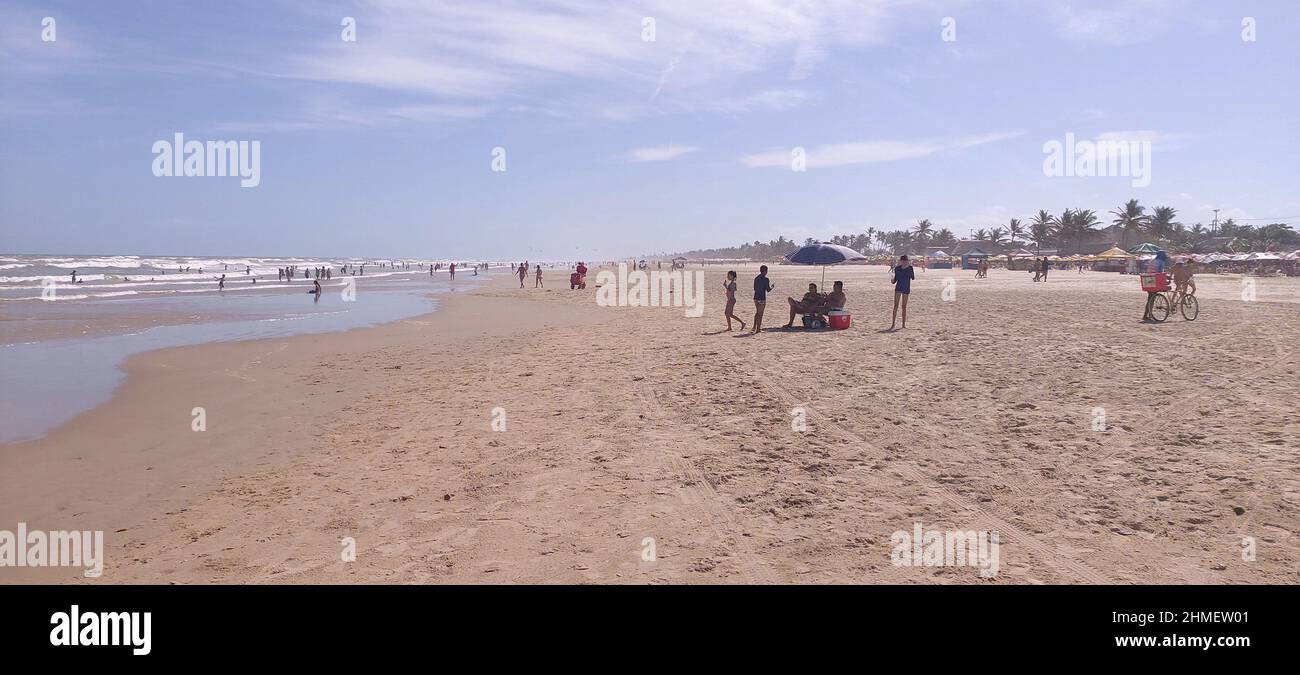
x=1057, y=561
x=699, y=492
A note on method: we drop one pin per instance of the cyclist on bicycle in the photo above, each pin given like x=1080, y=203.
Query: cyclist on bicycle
x=1157, y=266
x=1183, y=279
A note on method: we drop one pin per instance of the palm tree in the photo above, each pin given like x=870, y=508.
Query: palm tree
x=1196, y=237
x=980, y=235
x=923, y=229
x=997, y=235
x=1161, y=223
x=1016, y=230
x=1042, y=229
x=1085, y=226
x=1131, y=217
x=1065, y=228
x=944, y=238
x=900, y=241
x=881, y=238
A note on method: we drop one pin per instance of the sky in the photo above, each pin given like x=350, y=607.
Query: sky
x=626, y=127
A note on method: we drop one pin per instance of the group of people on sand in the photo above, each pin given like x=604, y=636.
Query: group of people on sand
x=522, y=271
x=1040, y=268
x=814, y=302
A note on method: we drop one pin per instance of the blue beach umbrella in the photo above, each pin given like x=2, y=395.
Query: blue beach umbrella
x=818, y=253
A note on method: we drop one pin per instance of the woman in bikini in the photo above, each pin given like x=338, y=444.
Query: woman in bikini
x=730, y=287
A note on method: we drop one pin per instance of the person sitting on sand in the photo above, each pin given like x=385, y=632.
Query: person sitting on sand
x=813, y=303
x=837, y=299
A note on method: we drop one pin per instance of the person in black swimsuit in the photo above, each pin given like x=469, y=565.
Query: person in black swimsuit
x=761, y=286
x=903, y=276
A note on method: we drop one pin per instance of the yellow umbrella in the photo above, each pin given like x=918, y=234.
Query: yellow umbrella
x=1114, y=253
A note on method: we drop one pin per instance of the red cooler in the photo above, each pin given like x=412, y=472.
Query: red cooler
x=1155, y=282
x=839, y=319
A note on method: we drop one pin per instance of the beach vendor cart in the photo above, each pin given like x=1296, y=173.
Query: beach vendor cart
x=1168, y=300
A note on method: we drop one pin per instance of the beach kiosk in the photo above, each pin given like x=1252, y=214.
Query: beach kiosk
x=939, y=260
x=971, y=259
x=1114, y=259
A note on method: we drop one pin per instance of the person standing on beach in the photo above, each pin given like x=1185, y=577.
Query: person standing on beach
x=761, y=286
x=902, y=281
x=730, y=312
x=523, y=272
x=538, y=282
x=221, y=283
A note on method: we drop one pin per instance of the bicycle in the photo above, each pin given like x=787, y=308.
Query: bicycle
x=1168, y=298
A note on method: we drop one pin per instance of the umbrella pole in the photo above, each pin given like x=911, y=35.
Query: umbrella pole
x=823, y=276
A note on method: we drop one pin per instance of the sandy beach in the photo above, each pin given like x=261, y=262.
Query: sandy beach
x=629, y=430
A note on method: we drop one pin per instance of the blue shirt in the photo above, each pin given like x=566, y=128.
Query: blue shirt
x=903, y=277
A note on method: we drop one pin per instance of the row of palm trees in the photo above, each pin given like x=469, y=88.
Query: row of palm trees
x=1074, y=228
x=1068, y=233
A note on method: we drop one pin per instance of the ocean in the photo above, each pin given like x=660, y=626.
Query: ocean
x=62, y=343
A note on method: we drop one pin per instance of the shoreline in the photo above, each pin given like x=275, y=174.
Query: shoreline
x=151, y=398
x=79, y=367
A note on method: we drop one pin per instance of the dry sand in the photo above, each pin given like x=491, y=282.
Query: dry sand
x=627, y=425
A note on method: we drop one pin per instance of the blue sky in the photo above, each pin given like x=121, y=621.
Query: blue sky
x=616, y=145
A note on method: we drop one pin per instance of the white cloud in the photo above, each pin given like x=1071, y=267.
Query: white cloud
x=706, y=56
x=660, y=154
x=1118, y=22
x=1157, y=139
x=332, y=113
x=872, y=152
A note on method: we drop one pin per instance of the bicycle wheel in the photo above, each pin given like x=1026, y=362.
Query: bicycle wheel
x=1190, y=308
x=1160, y=308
